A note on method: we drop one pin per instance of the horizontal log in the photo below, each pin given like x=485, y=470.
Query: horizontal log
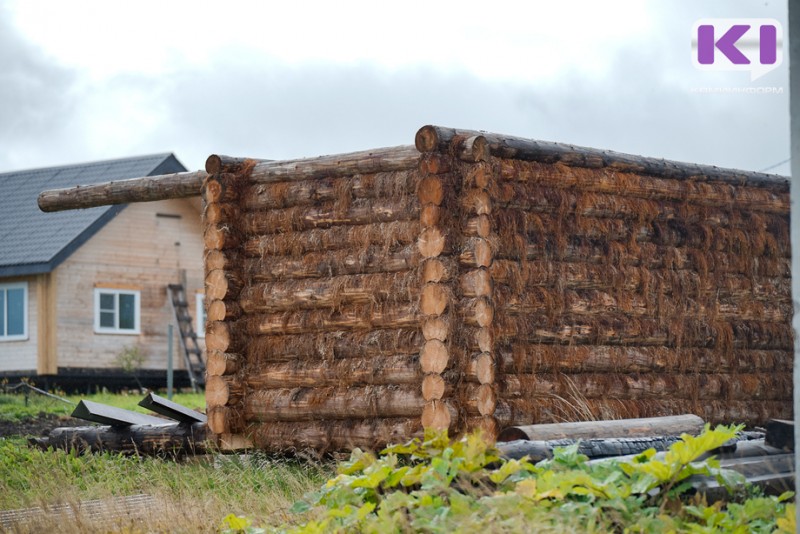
x=316, y=404
x=216, y=163
x=514, y=412
x=434, y=387
x=331, y=292
x=432, y=242
x=536, y=358
x=222, y=363
x=146, y=189
x=593, y=448
x=224, y=337
x=479, y=226
x=222, y=188
x=477, y=311
x=366, y=345
x=223, y=310
x=224, y=260
x=221, y=237
x=435, y=328
x=438, y=415
x=324, y=216
x=395, y=369
x=224, y=390
x=341, y=189
x=219, y=213
x=365, y=162
x=633, y=386
x=161, y=440
x=221, y=285
x=351, y=238
x=335, y=435
x=479, y=399
x=356, y=317
x=434, y=356
x=431, y=138
x=614, y=329
x=435, y=164
x=476, y=283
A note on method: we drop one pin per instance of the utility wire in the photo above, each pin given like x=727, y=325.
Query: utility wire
x=787, y=160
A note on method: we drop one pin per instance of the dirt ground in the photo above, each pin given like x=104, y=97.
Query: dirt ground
x=37, y=426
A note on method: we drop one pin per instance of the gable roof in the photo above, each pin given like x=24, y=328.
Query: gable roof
x=33, y=242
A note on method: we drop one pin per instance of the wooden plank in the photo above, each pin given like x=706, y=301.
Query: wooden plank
x=110, y=415
x=642, y=427
x=170, y=409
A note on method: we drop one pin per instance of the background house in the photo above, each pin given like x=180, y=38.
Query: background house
x=83, y=291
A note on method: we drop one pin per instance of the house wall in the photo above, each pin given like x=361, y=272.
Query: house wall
x=144, y=248
x=21, y=355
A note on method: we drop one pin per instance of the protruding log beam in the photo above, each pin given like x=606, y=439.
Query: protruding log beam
x=434, y=356
x=223, y=285
x=146, y=189
x=473, y=149
x=438, y=415
x=223, y=310
x=216, y=163
x=434, y=387
x=223, y=390
x=221, y=237
x=674, y=425
x=222, y=363
x=431, y=242
x=437, y=138
x=220, y=338
x=435, y=328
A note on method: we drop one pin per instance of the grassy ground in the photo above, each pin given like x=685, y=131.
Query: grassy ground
x=192, y=495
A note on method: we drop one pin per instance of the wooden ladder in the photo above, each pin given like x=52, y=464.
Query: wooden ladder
x=193, y=355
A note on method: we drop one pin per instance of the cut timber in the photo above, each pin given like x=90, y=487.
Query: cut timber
x=431, y=242
x=222, y=363
x=227, y=260
x=477, y=253
x=477, y=312
x=223, y=310
x=149, y=188
x=484, y=339
x=434, y=164
x=652, y=426
x=434, y=387
x=334, y=435
x=482, y=368
x=221, y=237
x=435, y=270
x=434, y=356
x=216, y=163
x=156, y=440
x=430, y=190
x=435, y=328
x=219, y=338
x=593, y=448
x=220, y=419
x=394, y=369
x=484, y=397
x=433, y=300
x=221, y=285
x=472, y=149
x=221, y=213
x=477, y=202
x=432, y=138
x=438, y=415
x=221, y=188
x=223, y=390
x=430, y=215
x=309, y=404
x=365, y=162
x=355, y=317
x=477, y=283
x=480, y=226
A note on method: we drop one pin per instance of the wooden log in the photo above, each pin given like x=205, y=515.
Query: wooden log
x=367, y=345
x=221, y=419
x=221, y=285
x=309, y=404
x=436, y=270
x=334, y=435
x=431, y=242
x=483, y=339
x=216, y=163
x=222, y=363
x=299, y=218
x=219, y=337
x=340, y=189
x=160, y=440
x=762, y=386
x=221, y=188
x=477, y=311
x=431, y=190
x=482, y=368
x=477, y=283
x=430, y=215
x=353, y=239
x=216, y=213
x=355, y=317
x=478, y=175
x=431, y=138
x=434, y=164
x=316, y=265
x=476, y=202
x=221, y=237
x=472, y=149
x=365, y=162
x=486, y=425
x=539, y=450
x=477, y=253
x=433, y=299
x=435, y=328
x=438, y=415
x=332, y=292
x=524, y=358
x=223, y=390
x=146, y=189
x=481, y=399
x=434, y=387
x=223, y=310
x=396, y=369
x=642, y=427
x=224, y=260
x=479, y=226
x=434, y=357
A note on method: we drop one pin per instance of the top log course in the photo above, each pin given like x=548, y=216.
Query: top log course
x=189, y=184
x=438, y=138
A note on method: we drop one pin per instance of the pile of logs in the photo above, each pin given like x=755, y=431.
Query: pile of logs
x=477, y=280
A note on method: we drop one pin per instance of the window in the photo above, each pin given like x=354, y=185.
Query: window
x=116, y=311
x=200, y=315
x=14, y=311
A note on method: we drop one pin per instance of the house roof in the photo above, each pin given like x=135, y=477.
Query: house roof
x=34, y=242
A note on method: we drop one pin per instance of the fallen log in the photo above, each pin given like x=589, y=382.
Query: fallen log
x=155, y=440
x=673, y=425
x=593, y=448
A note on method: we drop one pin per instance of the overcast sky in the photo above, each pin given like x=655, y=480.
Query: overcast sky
x=89, y=80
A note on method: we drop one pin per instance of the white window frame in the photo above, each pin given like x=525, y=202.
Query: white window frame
x=136, y=311
x=24, y=335
x=199, y=312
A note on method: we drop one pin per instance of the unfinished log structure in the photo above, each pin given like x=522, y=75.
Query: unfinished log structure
x=480, y=281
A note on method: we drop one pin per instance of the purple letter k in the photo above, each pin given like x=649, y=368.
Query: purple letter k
x=726, y=44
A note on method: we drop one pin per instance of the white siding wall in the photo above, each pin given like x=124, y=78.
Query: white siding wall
x=21, y=355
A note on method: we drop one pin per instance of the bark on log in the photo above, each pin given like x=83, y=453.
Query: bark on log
x=216, y=213
x=221, y=285
x=216, y=163
x=473, y=149
x=476, y=202
x=523, y=358
x=353, y=318
x=328, y=293
x=222, y=363
x=315, y=265
x=302, y=218
x=390, y=370
x=365, y=162
x=431, y=138
x=334, y=435
x=146, y=189
x=161, y=440
x=365, y=345
x=350, y=238
x=393, y=185
x=620, y=428
x=593, y=448
x=309, y=404
x=478, y=175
